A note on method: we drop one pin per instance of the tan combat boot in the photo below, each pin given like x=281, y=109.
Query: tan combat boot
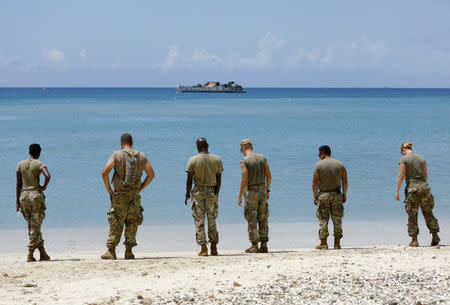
x=263, y=248
x=323, y=244
x=337, y=243
x=30, y=257
x=414, y=242
x=435, y=241
x=253, y=248
x=214, y=249
x=128, y=252
x=43, y=255
x=110, y=254
x=203, y=251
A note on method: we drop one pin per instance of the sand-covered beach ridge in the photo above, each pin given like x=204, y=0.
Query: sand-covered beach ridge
x=356, y=275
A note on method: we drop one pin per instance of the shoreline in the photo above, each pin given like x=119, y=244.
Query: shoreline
x=176, y=238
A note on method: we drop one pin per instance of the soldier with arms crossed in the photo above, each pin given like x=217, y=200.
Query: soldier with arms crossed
x=417, y=192
x=126, y=207
x=31, y=199
x=329, y=175
x=255, y=186
x=205, y=170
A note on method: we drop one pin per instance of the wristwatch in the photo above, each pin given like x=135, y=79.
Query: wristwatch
x=268, y=191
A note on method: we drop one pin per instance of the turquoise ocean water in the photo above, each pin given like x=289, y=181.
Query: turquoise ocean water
x=79, y=128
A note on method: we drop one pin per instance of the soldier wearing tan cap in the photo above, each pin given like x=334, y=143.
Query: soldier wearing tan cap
x=255, y=186
x=417, y=192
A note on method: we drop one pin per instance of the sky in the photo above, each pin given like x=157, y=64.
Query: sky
x=329, y=43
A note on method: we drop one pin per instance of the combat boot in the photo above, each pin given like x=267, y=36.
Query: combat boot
x=414, y=242
x=30, y=257
x=337, y=243
x=43, y=256
x=110, y=254
x=263, y=248
x=323, y=244
x=435, y=241
x=214, y=249
x=253, y=248
x=128, y=253
x=203, y=251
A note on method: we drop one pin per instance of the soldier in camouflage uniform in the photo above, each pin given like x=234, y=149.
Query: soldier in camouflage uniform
x=205, y=170
x=329, y=175
x=255, y=186
x=31, y=199
x=126, y=207
x=417, y=193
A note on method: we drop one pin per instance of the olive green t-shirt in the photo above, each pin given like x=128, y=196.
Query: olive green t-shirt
x=204, y=168
x=120, y=167
x=330, y=172
x=30, y=169
x=256, y=167
x=415, y=166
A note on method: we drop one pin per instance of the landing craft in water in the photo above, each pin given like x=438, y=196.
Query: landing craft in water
x=212, y=87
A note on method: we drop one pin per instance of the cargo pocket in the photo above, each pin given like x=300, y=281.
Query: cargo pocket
x=338, y=209
x=112, y=217
x=246, y=212
x=140, y=216
x=430, y=201
x=216, y=205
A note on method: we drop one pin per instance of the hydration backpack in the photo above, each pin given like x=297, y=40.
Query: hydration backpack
x=131, y=178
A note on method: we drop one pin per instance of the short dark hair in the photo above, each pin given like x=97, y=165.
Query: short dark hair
x=34, y=150
x=126, y=138
x=325, y=149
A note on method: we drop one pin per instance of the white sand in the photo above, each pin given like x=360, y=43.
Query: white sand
x=167, y=270
x=374, y=275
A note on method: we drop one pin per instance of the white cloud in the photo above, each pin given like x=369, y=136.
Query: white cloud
x=270, y=43
x=56, y=57
x=267, y=46
x=203, y=57
x=360, y=52
x=83, y=54
x=171, y=59
x=8, y=61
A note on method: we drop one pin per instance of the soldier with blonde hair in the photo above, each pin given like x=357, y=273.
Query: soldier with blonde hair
x=417, y=192
x=255, y=186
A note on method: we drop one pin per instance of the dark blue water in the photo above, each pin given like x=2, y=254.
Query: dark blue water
x=79, y=128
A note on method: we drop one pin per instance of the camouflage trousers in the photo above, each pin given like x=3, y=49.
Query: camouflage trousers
x=33, y=210
x=418, y=195
x=125, y=209
x=204, y=201
x=256, y=212
x=330, y=204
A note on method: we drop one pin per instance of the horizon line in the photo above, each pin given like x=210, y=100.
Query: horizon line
x=165, y=87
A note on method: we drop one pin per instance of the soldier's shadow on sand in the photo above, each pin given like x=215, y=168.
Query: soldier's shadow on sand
x=156, y=257
x=65, y=260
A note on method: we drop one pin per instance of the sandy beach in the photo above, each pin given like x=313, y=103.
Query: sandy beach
x=366, y=275
x=360, y=273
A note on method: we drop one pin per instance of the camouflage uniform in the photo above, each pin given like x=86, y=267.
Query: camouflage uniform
x=256, y=212
x=125, y=209
x=125, y=203
x=418, y=194
x=329, y=199
x=330, y=204
x=33, y=210
x=204, y=168
x=205, y=201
